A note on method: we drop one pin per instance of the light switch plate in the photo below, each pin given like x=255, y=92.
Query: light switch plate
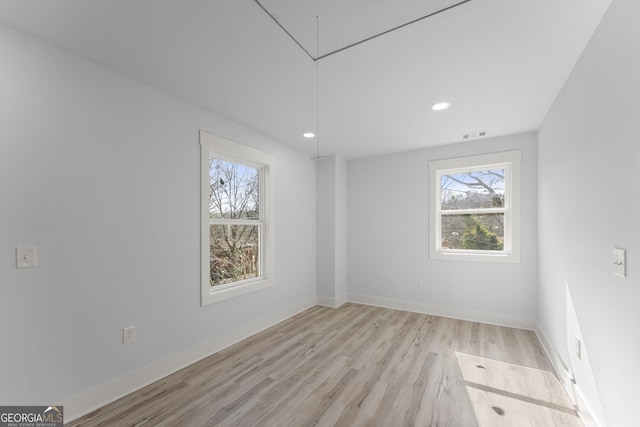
x=619, y=262
x=128, y=334
x=25, y=257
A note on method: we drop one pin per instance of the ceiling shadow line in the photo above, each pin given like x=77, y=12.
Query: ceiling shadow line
x=285, y=30
x=319, y=57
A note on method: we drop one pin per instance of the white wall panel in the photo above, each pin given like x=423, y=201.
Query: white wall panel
x=101, y=173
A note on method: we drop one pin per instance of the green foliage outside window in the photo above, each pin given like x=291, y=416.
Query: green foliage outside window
x=477, y=236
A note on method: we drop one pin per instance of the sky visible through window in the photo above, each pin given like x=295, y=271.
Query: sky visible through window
x=234, y=244
x=473, y=190
x=234, y=190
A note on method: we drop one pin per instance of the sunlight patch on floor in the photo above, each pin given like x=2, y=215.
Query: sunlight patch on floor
x=504, y=394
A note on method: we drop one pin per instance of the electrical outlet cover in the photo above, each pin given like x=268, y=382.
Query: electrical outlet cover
x=128, y=334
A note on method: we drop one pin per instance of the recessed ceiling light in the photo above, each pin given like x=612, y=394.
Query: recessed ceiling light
x=308, y=134
x=441, y=106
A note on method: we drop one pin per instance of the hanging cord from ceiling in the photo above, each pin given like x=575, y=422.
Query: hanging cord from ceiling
x=317, y=156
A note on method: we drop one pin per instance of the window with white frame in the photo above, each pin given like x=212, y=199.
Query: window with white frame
x=475, y=208
x=236, y=252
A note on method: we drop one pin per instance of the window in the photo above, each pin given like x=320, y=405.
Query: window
x=236, y=253
x=475, y=208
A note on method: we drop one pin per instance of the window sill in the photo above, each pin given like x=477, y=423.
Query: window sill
x=501, y=258
x=213, y=295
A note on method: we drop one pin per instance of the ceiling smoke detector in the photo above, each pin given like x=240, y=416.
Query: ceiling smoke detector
x=476, y=134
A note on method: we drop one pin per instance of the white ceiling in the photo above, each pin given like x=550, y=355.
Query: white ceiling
x=500, y=63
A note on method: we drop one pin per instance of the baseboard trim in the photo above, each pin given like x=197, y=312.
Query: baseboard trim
x=561, y=370
x=584, y=409
x=332, y=302
x=445, y=311
x=90, y=400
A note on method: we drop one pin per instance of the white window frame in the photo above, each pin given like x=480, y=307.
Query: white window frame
x=507, y=160
x=224, y=149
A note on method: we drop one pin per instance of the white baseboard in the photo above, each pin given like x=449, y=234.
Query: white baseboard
x=332, y=302
x=445, y=311
x=83, y=403
x=562, y=372
x=584, y=409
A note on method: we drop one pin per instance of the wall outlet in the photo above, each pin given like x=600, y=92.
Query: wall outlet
x=419, y=283
x=578, y=345
x=128, y=334
x=26, y=257
x=619, y=262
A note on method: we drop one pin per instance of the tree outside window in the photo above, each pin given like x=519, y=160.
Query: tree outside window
x=235, y=225
x=237, y=252
x=475, y=208
x=480, y=192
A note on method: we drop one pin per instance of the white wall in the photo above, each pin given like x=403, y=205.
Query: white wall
x=102, y=174
x=589, y=156
x=325, y=230
x=331, y=258
x=388, y=223
x=341, y=229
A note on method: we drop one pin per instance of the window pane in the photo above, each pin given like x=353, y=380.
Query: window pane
x=233, y=190
x=233, y=253
x=473, y=232
x=472, y=190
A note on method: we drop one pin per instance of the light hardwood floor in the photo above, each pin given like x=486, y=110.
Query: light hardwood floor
x=358, y=366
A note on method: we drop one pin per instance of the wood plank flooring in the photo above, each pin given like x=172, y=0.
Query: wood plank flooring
x=358, y=366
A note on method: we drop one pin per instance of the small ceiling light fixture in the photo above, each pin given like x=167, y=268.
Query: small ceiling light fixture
x=308, y=134
x=441, y=106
